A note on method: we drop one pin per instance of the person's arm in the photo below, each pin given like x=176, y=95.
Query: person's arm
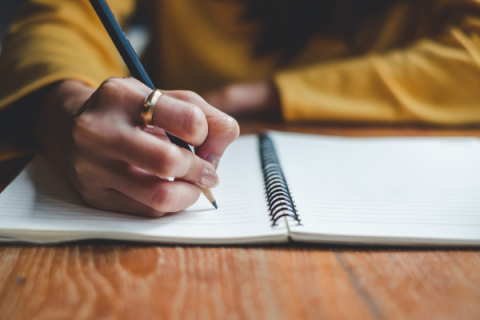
x=53, y=40
x=431, y=81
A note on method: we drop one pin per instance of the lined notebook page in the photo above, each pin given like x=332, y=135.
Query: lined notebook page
x=383, y=190
x=40, y=206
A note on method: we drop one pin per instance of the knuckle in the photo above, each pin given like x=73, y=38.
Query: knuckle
x=195, y=124
x=110, y=88
x=112, y=82
x=84, y=172
x=82, y=129
x=87, y=133
x=163, y=199
x=170, y=159
x=230, y=128
x=189, y=96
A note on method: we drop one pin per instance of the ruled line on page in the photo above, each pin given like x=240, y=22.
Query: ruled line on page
x=373, y=222
x=399, y=183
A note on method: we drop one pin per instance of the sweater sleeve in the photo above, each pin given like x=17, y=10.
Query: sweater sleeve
x=53, y=40
x=434, y=80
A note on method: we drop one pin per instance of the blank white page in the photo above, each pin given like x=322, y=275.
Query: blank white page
x=383, y=190
x=39, y=206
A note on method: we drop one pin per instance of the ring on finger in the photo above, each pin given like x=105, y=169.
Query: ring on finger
x=149, y=107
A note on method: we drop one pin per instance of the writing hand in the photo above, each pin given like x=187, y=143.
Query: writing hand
x=98, y=139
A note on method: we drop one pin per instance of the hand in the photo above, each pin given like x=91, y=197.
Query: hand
x=259, y=99
x=99, y=140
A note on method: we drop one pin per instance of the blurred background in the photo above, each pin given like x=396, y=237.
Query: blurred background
x=137, y=31
x=8, y=9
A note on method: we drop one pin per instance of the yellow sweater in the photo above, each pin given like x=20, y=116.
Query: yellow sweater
x=423, y=64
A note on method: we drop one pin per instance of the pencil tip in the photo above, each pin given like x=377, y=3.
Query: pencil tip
x=208, y=193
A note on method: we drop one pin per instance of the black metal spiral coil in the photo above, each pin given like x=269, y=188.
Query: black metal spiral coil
x=279, y=198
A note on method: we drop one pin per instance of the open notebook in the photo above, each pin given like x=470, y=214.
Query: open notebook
x=409, y=191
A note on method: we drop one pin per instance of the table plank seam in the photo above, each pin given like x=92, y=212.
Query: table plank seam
x=372, y=306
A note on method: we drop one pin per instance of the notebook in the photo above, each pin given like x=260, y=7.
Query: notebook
x=281, y=187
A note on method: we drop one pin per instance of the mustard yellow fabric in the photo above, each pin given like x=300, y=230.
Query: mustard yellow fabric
x=421, y=61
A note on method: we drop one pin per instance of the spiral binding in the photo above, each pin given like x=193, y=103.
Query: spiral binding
x=279, y=198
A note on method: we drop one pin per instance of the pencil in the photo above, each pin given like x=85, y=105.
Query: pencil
x=134, y=65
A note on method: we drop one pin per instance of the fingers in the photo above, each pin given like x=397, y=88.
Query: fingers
x=127, y=189
x=181, y=118
x=167, y=160
x=178, y=117
x=188, y=116
x=109, y=129
x=162, y=158
x=222, y=130
x=112, y=200
x=183, y=113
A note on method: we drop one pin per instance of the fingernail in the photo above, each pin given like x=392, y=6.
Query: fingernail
x=214, y=160
x=208, y=179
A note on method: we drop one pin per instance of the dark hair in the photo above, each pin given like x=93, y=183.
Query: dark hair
x=289, y=24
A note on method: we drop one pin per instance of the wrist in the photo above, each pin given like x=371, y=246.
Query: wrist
x=52, y=127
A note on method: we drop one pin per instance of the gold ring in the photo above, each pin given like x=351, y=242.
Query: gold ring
x=149, y=107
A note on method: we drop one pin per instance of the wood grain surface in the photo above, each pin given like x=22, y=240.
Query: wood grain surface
x=114, y=280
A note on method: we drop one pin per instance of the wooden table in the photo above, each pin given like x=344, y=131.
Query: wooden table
x=113, y=280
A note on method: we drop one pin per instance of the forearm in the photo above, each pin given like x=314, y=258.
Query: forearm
x=429, y=82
